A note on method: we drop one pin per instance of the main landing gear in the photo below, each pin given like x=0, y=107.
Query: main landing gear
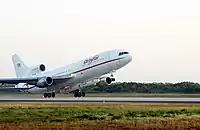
x=49, y=95
x=79, y=94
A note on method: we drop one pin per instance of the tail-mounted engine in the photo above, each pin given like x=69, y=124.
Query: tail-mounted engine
x=38, y=69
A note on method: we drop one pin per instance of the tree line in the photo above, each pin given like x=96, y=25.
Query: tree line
x=134, y=87
x=183, y=87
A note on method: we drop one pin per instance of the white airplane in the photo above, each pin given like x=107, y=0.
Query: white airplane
x=73, y=77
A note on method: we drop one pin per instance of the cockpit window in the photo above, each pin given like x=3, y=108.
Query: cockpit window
x=123, y=53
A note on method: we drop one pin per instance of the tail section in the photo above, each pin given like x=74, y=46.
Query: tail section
x=21, y=69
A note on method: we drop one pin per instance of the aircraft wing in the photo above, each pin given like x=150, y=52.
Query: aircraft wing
x=31, y=81
x=34, y=80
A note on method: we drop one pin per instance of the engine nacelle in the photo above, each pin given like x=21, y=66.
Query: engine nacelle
x=39, y=68
x=105, y=81
x=45, y=82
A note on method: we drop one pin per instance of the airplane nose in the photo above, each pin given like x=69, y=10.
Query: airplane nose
x=125, y=60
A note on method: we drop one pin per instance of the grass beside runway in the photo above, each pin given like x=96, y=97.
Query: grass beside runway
x=98, y=116
x=140, y=124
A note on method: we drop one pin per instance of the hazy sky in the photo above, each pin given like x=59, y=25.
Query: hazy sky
x=162, y=36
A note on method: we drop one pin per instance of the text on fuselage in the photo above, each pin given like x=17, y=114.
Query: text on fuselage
x=90, y=60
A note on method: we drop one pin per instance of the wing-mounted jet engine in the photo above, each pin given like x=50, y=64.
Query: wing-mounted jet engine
x=44, y=82
x=105, y=81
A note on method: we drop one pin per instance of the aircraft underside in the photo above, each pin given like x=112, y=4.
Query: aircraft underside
x=77, y=91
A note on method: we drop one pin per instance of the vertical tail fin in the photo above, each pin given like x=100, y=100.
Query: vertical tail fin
x=20, y=68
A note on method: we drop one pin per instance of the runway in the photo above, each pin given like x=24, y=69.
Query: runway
x=100, y=100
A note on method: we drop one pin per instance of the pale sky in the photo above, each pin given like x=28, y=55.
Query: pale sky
x=162, y=36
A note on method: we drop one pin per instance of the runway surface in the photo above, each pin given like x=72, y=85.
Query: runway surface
x=99, y=99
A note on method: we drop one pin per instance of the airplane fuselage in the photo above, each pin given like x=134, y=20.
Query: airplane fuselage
x=89, y=68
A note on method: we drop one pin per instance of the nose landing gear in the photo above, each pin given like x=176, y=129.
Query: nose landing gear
x=79, y=94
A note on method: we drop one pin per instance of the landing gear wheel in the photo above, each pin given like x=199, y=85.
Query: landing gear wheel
x=83, y=94
x=49, y=95
x=79, y=94
x=45, y=95
x=75, y=94
x=53, y=94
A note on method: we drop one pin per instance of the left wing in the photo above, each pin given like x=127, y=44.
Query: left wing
x=35, y=80
x=30, y=81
